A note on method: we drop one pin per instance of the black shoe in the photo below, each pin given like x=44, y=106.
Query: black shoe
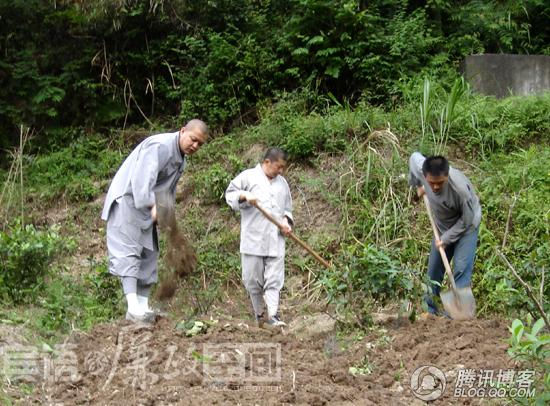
x=260, y=320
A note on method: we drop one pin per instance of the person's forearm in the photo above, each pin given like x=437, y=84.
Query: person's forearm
x=454, y=233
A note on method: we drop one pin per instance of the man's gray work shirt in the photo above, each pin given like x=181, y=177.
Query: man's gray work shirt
x=153, y=167
x=258, y=235
x=455, y=208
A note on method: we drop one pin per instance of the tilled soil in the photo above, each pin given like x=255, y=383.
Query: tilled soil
x=237, y=363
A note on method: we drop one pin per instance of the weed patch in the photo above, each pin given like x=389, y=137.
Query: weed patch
x=26, y=254
x=75, y=172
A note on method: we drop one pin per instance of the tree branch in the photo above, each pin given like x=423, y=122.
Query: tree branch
x=527, y=288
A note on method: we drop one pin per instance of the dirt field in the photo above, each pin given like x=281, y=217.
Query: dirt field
x=236, y=363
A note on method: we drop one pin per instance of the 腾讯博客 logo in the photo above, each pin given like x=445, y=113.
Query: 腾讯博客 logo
x=428, y=382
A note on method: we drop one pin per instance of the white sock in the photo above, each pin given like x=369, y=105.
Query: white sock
x=133, y=305
x=143, y=302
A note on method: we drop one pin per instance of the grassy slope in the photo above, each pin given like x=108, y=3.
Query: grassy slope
x=352, y=203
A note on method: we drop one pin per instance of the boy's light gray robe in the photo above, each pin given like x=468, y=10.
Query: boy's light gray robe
x=259, y=236
x=262, y=244
x=153, y=167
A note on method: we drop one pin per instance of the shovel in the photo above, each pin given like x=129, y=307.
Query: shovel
x=458, y=302
x=293, y=236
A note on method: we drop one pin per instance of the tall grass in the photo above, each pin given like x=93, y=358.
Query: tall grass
x=12, y=197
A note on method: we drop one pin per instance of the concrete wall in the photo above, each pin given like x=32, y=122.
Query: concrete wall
x=501, y=75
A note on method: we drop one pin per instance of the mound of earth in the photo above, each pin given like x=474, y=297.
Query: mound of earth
x=234, y=362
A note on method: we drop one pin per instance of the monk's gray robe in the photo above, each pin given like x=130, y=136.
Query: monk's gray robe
x=153, y=168
x=262, y=244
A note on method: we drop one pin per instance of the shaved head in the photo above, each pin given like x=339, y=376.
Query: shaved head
x=198, y=125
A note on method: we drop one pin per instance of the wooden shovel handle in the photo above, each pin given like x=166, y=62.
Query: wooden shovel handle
x=292, y=235
x=441, y=250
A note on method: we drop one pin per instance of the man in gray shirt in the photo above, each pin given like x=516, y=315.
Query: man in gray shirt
x=457, y=214
x=152, y=169
x=262, y=244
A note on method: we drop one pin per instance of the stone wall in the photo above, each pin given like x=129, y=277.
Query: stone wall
x=501, y=75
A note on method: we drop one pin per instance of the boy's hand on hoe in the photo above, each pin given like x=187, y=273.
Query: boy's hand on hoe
x=286, y=229
x=420, y=191
x=249, y=197
x=154, y=213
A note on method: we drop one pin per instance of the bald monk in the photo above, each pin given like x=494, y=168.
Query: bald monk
x=151, y=170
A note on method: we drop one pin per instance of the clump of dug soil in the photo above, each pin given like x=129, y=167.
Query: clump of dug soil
x=180, y=256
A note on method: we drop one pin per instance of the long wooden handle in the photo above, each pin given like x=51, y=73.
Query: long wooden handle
x=292, y=235
x=441, y=250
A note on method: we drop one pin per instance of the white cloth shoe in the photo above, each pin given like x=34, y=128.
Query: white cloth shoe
x=145, y=318
x=275, y=322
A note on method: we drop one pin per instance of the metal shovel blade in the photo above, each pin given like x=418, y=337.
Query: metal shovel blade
x=460, y=304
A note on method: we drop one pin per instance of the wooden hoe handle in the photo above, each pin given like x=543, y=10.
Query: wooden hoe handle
x=441, y=250
x=292, y=235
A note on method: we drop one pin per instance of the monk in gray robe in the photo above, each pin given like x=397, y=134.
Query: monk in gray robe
x=262, y=243
x=152, y=169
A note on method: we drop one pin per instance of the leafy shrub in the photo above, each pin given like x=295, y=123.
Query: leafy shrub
x=514, y=184
x=58, y=303
x=490, y=125
x=217, y=60
x=74, y=172
x=212, y=182
x=68, y=302
x=25, y=256
x=366, y=275
x=103, y=292
x=312, y=134
x=531, y=345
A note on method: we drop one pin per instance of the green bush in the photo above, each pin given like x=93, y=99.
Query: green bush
x=102, y=293
x=365, y=275
x=530, y=344
x=489, y=125
x=212, y=181
x=99, y=63
x=515, y=184
x=26, y=254
x=74, y=172
x=71, y=302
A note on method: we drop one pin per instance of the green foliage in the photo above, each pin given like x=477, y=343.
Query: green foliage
x=68, y=303
x=531, y=345
x=489, y=126
x=102, y=294
x=514, y=185
x=26, y=254
x=495, y=27
x=365, y=275
x=482, y=125
x=73, y=172
x=438, y=126
x=304, y=130
x=100, y=63
x=46, y=77
x=212, y=182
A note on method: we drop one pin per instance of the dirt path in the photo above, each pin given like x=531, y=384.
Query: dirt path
x=235, y=363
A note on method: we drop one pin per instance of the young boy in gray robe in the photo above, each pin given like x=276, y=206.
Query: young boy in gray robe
x=154, y=167
x=262, y=243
